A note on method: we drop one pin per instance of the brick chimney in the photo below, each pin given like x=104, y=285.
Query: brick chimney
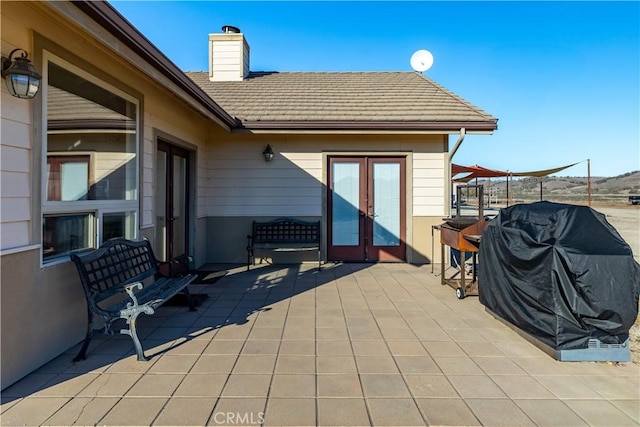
x=228, y=55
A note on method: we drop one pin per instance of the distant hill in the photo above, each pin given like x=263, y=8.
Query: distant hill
x=573, y=189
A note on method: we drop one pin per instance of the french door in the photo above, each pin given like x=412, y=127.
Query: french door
x=366, y=209
x=172, y=202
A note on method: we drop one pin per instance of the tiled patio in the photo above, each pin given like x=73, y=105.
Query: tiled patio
x=355, y=344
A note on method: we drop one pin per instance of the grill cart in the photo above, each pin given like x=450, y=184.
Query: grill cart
x=463, y=234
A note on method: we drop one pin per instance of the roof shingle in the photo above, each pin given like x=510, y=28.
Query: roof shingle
x=359, y=98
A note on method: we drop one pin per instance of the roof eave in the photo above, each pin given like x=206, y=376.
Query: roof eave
x=107, y=17
x=416, y=126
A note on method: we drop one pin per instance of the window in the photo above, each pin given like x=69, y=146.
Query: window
x=90, y=173
x=118, y=224
x=65, y=233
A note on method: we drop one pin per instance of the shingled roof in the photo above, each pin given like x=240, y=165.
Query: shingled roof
x=344, y=100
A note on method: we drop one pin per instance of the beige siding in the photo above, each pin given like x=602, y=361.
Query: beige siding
x=15, y=167
x=242, y=184
x=16, y=144
x=15, y=184
x=227, y=60
x=428, y=184
x=15, y=233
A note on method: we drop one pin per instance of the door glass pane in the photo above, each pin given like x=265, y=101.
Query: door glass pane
x=161, y=206
x=179, y=204
x=386, y=204
x=344, y=201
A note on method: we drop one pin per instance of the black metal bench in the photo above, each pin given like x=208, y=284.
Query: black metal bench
x=121, y=280
x=283, y=235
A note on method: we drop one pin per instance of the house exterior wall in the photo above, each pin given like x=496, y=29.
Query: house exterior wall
x=242, y=187
x=43, y=312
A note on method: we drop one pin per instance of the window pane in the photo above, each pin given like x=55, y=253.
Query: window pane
x=386, y=206
x=345, y=199
x=65, y=233
x=86, y=119
x=160, y=249
x=118, y=224
x=179, y=205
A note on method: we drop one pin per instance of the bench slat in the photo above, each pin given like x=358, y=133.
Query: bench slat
x=278, y=249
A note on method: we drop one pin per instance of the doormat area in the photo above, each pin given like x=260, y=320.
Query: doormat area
x=204, y=278
x=208, y=277
x=181, y=300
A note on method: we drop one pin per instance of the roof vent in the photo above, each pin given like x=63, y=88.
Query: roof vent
x=228, y=29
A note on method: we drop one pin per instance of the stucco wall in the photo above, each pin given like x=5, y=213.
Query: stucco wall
x=43, y=313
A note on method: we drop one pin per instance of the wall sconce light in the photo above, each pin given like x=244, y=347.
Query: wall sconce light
x=22, y=79
x=268, y=153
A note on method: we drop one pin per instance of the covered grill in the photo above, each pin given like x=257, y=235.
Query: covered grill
x=564, y=278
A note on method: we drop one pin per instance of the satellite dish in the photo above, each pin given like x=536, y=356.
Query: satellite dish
x=421, y=60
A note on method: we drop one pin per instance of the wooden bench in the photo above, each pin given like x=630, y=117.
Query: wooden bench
x=121, y=280
x=283, y=235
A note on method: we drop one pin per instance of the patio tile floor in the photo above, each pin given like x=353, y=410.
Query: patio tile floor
x=353, y=344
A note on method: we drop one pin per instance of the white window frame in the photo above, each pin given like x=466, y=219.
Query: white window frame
x=94, y=207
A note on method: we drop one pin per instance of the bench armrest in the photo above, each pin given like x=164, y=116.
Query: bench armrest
x=129, y=290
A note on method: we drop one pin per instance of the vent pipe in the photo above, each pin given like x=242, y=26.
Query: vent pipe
x=227, y=29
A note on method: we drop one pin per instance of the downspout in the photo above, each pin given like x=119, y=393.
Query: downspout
x=452, y=153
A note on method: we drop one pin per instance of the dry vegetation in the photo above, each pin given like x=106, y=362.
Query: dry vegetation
x=605, y=191
x=634, y=336
x=626, y=220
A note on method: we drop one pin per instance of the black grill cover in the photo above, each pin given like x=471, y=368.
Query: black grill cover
x=559, y=272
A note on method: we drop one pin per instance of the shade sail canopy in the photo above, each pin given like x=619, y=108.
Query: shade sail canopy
x=482, y=172
x=543, y=172
x=475, y=172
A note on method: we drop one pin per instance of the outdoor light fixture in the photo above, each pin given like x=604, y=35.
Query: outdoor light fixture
x=268, y=153
x=23, y=81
